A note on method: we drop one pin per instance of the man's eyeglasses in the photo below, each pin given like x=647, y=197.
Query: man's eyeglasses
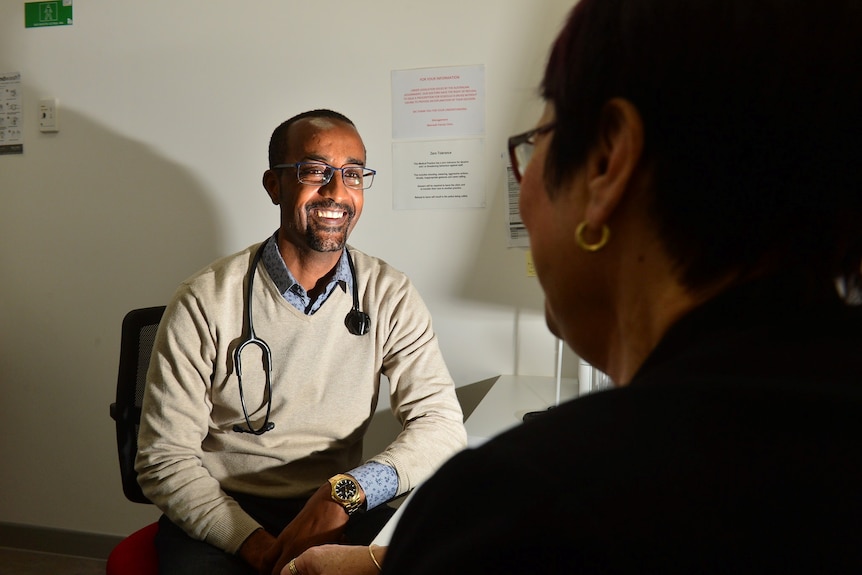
x=319, y=174
x=522, y=146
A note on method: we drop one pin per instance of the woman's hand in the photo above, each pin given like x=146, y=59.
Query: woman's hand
x=337, y=560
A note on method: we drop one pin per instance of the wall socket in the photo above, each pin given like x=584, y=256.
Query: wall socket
x=48, y=115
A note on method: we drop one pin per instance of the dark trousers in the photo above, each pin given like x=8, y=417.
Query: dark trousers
x=179, y=554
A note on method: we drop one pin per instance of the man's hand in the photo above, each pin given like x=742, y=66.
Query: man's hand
x=321, y=521
x=254, y=549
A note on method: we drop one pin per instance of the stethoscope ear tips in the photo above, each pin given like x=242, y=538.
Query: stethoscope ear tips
x=357, y=322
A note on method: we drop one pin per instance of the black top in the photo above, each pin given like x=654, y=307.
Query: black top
x=736, y=448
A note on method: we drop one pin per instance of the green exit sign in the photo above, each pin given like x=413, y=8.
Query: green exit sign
x=41, y=14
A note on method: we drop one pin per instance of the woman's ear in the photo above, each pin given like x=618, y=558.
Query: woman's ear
x=613, y=161
x=272, y=185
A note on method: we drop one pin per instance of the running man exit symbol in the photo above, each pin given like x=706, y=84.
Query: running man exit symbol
x=48, y=12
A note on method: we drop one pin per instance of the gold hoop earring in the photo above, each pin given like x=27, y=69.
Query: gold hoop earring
x=587, y=247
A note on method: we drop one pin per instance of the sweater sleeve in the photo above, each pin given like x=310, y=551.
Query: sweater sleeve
x=421, y=391
x=174, y=423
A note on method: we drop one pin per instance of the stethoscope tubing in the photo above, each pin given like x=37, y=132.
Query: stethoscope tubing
x=252, y=339
x=357, y=322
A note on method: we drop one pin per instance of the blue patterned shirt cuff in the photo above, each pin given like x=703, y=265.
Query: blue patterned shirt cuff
x=378, y=481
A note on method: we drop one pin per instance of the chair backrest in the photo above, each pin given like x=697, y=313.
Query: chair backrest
x=136, y=343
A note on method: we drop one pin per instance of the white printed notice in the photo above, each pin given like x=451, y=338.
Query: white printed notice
x=438, y=129
x=518, y=237
x=436, y=103
x=11, y=128
x=443, y=174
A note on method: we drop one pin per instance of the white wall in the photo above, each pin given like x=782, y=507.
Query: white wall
x=166, y=109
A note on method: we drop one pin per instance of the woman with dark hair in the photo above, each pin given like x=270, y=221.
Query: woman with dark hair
x=693, y=198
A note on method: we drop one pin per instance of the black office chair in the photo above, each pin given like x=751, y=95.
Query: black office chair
x=136, y=554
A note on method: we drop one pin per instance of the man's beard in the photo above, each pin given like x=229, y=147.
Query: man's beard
x=327, y=238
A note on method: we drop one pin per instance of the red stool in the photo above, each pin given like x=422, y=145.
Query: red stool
x=136, y=554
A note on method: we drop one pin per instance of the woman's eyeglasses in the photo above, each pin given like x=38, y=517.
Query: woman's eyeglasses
x=522, y=146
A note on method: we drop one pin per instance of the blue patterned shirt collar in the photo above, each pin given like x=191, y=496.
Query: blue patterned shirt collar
x=291, y=290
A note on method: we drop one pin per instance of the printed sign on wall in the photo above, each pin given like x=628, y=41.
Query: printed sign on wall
x=11, y=131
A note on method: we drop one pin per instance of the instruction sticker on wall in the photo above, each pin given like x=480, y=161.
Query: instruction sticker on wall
x=42, y=14
x=11, y=133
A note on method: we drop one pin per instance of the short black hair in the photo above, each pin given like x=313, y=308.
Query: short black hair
x=752, y=111
x=278, y=141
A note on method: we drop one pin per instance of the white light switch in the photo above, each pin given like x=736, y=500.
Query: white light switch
x=48, y=115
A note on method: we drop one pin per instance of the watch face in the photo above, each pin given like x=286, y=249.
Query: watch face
x=345, y=489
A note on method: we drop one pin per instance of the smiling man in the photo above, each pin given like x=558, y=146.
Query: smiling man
x=266, y=372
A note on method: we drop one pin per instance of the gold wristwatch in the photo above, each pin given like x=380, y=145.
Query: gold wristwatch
x=346, y=492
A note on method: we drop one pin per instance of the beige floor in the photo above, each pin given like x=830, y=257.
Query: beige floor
x=17, y=562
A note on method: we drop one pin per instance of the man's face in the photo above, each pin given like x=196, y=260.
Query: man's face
x=319, y=218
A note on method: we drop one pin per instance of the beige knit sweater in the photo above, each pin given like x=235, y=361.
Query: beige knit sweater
x=325, y=389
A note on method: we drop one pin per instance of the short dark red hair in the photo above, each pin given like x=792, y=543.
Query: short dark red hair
x=753, y=124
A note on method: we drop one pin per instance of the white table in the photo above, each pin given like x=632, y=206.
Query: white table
x=511, y=396
x=503, y=407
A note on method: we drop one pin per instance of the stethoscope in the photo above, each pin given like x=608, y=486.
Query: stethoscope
x=357, y=323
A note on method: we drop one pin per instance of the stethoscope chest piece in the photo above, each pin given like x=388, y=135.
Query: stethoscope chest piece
x=357, y=322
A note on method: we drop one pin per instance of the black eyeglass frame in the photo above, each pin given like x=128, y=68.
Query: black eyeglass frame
x=329, y=171
x=522, y=140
